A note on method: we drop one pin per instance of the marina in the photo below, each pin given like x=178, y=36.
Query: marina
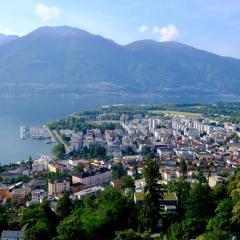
x=39, y=133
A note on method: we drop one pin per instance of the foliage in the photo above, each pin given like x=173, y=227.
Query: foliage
x=203, y=213
x=79, y=168
x=41, y=222
x=117, y=171
x=130, y=234
x=153, y=194
x=128, y=182
x=64, y=205
x=111, y=211
x=95, y=152
x=59, y=150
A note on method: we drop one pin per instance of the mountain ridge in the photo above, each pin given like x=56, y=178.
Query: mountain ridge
x=73, y=57
x=4, y=39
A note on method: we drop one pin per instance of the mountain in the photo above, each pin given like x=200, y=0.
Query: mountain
x=7, y=38
x=68, y=59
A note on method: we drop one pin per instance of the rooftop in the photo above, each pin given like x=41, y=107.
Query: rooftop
x=12, y=234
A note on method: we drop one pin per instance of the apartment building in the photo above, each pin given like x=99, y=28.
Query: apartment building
x=99, y=177
x=58, y=186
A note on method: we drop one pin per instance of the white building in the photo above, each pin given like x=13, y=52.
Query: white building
x=58, y=186
x=12, y=235
x=38, y=195
x=101, y=177
x=77, y=141
x=84, y=193
x=41, y=164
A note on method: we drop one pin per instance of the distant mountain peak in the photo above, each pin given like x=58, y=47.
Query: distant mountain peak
x=4, y=39
x=77, y=59
x=64, y=30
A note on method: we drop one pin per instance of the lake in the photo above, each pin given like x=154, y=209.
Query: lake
x=37, y=110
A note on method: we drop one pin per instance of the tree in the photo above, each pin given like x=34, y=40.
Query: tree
x=117, y=171
x=30, y=162
x=4, y=217
x=59, y=150
x=183, y=167
x=64, y=205
x=79, y=168
x=236, y=213
x=182, y=190
x=129, y=151
x=200, y=177
x=128, y=182
x=130, y=234
x=220, y=224
x=70, y=228
x=175, y=231
x=200, y=207
x=41, y=221
x=220, y=191
x=153, y=194
x=37, y=232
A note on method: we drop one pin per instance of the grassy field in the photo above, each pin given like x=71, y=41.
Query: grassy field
x=186, y=114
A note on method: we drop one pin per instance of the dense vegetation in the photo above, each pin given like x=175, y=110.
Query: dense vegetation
x=109, y=116
x=95, y=152
x=205, y=213
x=77, y=123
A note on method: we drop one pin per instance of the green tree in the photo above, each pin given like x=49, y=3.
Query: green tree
x=220, y=224
x=200, y=177
x=175, y=232
x=64, y=205
x=220, y=191
x=41, y=221
x=130, y=234
x=183, y=167
x=117, y=171
x=37, y=232
x=129, y=151
x=128, y=182
x=4, y=218
x=79, y=168
x=236, y=213
x=30, y=162
x=200, y=207
x=153, y=194
x=182, y=190
x=59, y=150
x=70, y=228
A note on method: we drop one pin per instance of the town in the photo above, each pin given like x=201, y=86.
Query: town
x=109, y=150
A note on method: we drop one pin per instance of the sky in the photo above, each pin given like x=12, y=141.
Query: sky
x=212, y=25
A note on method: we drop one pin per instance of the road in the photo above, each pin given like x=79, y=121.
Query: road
x=54, y=134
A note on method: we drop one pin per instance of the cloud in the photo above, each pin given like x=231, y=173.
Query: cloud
x=143, y=28
x=167, y=33
x=47, y=13
x=8, y=31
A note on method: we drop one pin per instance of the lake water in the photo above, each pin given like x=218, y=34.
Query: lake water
x=38, y=109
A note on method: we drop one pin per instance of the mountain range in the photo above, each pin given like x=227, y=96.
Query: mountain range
x=67, y=59
x=7, y=38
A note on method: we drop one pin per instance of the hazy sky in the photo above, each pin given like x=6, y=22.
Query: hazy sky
x=213, y=25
